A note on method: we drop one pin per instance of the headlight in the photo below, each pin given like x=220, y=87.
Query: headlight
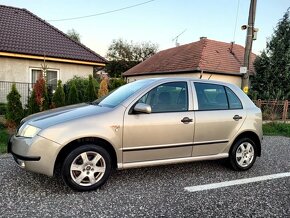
x=28, y=131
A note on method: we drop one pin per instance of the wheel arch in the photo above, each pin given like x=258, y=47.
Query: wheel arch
x=251, y=135
x=82, y=141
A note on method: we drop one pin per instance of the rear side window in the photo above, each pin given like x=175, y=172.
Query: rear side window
x=216, y=97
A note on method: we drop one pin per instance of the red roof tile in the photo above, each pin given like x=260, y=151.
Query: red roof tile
x=207, y=55
x=24, y=33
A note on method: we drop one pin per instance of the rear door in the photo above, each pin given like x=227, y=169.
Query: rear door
x=218, y=118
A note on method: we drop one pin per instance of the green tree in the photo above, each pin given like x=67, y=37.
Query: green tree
x=74, y=35
x=91, y=91
x=58, y=99
x=73, y=97
x=14, y=112
x=273, y=65
x=123, y=55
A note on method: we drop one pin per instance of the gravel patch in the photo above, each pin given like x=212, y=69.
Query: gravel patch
x=154, y=192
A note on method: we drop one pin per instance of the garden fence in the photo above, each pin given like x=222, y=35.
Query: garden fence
x=24, y=90
x=274, y=109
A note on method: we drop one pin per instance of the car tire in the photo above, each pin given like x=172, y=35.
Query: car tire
x=243, y=154
x=86, y=168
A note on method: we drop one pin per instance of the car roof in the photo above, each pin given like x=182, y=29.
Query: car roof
x=171, y=79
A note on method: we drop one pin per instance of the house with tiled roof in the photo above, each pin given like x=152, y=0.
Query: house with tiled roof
x=26, y=41
x=206, y=59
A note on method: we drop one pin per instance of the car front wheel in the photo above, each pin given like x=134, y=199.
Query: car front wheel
x=86, y=168
x=243, y=154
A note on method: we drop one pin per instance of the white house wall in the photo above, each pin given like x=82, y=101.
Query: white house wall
x=19, y=70
x=224, y=78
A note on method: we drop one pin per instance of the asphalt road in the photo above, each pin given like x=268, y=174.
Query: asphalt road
x=156, y=191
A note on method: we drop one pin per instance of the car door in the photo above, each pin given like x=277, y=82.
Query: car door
x=166, y=132
x=218, y=118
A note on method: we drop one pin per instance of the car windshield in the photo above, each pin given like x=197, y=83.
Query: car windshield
x=117, y=96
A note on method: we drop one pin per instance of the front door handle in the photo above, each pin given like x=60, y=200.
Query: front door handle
x=237, y=117
x=186, y=120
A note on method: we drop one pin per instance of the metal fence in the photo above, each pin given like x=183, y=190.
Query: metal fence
x=24, y=90
x=274, y=109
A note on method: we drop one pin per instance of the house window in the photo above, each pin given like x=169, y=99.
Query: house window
x=51, y=76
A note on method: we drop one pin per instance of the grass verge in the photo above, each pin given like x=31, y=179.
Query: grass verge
x=3, y=139
x=275, y=128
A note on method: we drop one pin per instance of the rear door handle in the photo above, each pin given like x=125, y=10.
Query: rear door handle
x=237, y=117
x=186, y=120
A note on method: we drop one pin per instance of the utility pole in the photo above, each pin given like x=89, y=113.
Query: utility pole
x=249, y=41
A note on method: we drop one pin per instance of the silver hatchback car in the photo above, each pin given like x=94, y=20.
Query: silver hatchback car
x=145, y=123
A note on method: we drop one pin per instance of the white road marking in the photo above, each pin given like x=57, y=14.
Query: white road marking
x=236, y=182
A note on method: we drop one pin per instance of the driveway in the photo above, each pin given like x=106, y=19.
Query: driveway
x=158, y=191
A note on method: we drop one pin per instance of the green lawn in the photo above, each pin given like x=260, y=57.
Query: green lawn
x=275, y=128
x=3, y=139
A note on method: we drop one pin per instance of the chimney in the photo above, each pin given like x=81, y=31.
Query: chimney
x=202, y=38
x=231, y=48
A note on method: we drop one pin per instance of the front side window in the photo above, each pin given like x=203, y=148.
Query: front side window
x=168, y=97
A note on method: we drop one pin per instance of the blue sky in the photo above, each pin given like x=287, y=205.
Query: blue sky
x=158, y=21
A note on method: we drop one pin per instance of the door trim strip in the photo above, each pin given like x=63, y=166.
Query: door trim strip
x=153, y=147
x=171, y=161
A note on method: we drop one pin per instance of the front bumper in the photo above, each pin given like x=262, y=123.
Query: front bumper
x=36, y=154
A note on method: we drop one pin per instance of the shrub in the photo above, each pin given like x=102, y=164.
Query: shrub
x=3, y=108
x=91, y=91
x=14, y=112
x=73, y=97
x=32, y=106
x=115, y=83
x=81, y=84
x=58, y=99
x=103, y=88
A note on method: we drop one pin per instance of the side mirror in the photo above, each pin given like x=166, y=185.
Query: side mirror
x=142, y=108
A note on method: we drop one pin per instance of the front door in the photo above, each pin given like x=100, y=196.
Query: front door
x=166, y=132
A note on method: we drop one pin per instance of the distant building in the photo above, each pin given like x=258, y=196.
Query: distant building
x=26, y=39
x=205, y=58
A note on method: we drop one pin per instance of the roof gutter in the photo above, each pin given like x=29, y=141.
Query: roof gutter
x=35, y=57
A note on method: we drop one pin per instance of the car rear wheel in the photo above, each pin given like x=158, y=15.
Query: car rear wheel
x=243, y=154
x=86, y=168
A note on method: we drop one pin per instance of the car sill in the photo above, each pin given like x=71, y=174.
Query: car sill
x=171, y=161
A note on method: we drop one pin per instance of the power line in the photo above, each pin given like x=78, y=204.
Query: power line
x=102, y=13
x=237, y=14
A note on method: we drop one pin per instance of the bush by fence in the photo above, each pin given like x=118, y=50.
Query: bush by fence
x=274, y=109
